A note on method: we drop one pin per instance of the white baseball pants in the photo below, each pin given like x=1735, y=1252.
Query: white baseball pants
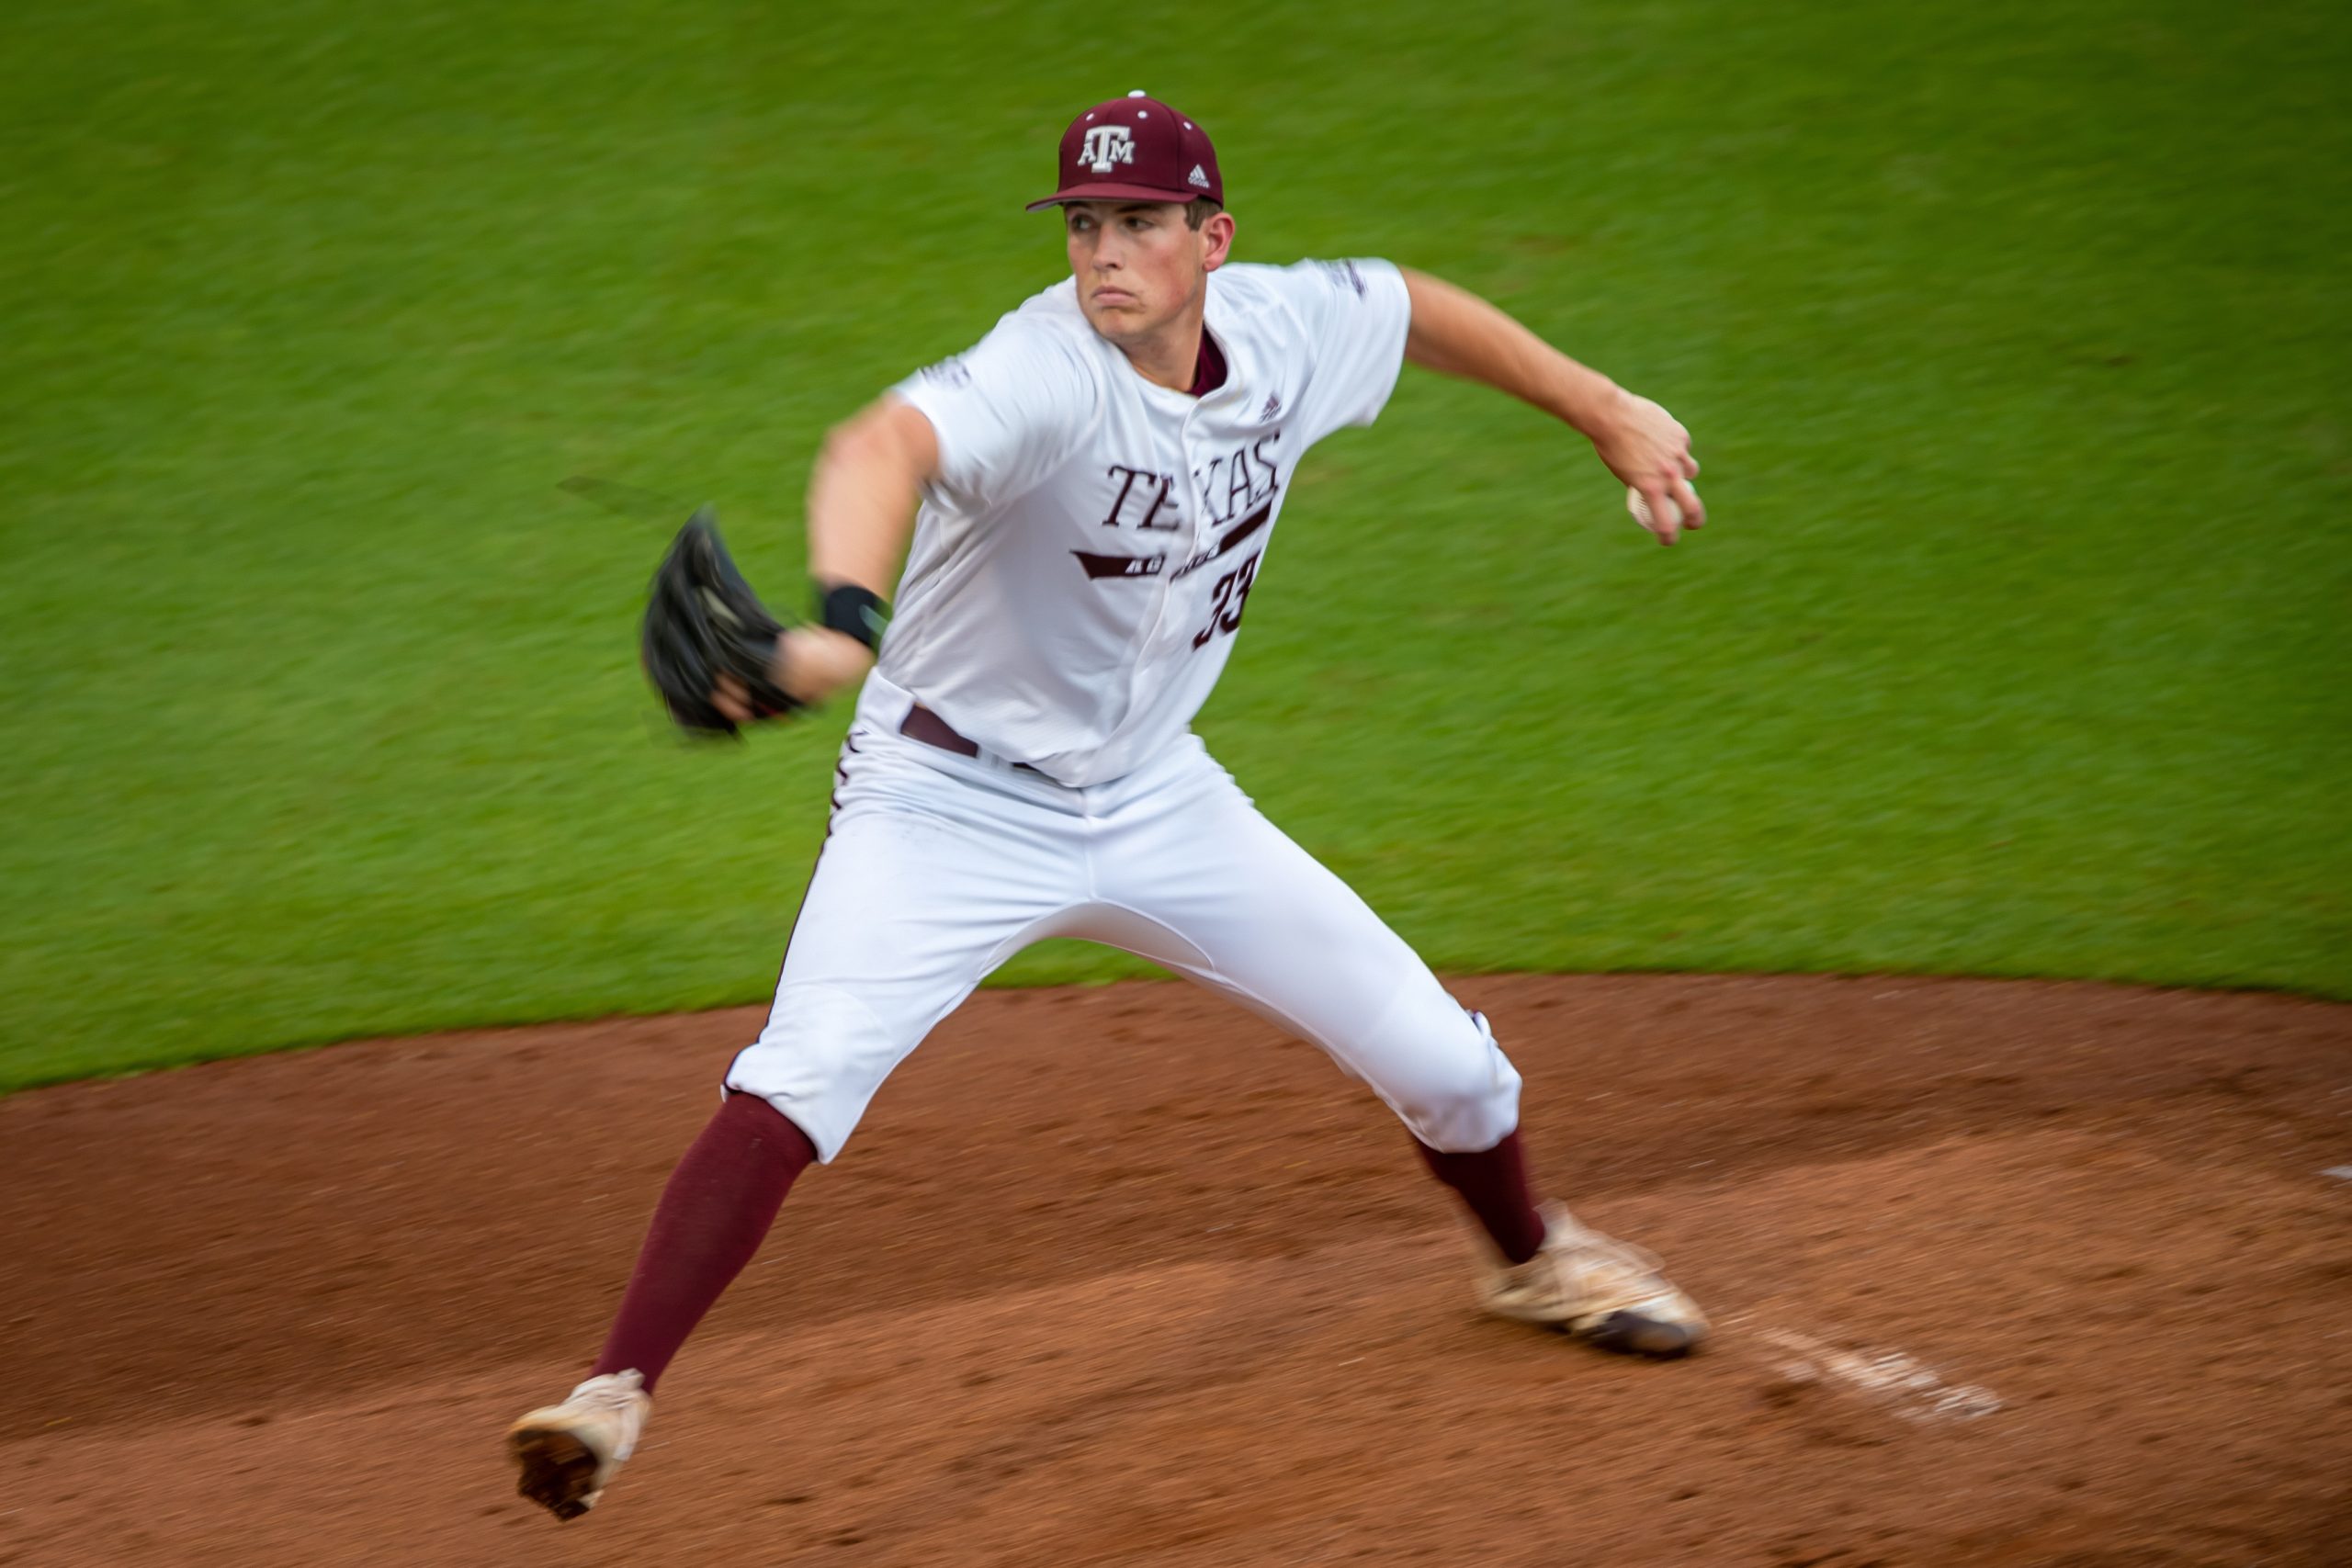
x=940, y=867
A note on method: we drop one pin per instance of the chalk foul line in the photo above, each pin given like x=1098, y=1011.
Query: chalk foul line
x=1907, y=1386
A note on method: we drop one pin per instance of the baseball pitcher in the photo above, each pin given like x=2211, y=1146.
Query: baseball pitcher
x=1092, y=490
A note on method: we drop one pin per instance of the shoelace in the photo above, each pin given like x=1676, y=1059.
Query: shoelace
x=1623, y=1254
x=618, y=1392
x=1603, y=1269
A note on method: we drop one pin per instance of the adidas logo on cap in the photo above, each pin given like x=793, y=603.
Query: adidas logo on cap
x=1198, y=177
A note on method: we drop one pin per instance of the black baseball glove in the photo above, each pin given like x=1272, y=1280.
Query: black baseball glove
x=703, y=621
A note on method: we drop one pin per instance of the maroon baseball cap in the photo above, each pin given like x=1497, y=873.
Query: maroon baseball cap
x=1136, y=149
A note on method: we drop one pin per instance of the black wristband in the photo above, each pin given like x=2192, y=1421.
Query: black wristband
x=854, y=612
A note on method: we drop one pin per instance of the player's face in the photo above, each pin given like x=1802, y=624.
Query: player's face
x=1139, y=266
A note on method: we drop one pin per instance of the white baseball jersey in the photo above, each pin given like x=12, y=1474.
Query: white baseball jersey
x=1082, y=562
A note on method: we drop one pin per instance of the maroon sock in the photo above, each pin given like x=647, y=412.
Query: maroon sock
x=718, y=1208
x=1494, y=1186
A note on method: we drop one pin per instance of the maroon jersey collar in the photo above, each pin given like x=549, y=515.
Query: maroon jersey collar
x=1208, y=371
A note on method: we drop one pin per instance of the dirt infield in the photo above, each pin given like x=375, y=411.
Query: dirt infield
x=2005, y=1273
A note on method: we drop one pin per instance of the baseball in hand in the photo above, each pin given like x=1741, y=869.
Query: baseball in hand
x=1641, y=511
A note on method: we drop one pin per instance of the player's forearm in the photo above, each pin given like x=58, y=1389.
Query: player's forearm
x=861, y=506
x=1455, y=333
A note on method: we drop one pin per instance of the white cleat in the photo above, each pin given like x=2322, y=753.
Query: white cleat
x=1603, y=1291
x=569, y=1453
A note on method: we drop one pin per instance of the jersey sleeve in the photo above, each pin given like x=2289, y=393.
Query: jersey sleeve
x=1006, y=412
x=1355, y=314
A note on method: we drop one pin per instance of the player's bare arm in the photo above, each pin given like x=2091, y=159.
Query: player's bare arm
x=861, y=503
x=1455, y=333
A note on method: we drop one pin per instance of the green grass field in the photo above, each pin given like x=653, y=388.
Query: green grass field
x=2015, y=338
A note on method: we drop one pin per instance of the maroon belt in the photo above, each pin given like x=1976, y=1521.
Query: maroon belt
x=927, y=727
x=921, y=724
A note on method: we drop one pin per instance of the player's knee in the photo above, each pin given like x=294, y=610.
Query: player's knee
x=1461, y=1093
x=819, y=1061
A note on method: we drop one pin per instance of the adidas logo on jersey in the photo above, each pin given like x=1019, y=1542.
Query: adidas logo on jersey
x=1199, y=177
x=1273, y=409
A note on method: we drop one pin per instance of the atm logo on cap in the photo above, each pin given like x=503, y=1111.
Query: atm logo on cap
x=1106, y=146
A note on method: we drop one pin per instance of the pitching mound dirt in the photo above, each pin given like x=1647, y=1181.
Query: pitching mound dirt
x=2014, y=1274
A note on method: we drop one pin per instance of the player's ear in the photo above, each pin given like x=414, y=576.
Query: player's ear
x=1217, y=236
